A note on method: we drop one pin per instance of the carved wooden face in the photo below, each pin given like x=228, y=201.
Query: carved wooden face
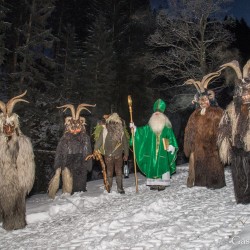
x=9, y=124
x=242, y=90
x=8, y=129
x=246, y=93
x=204, y=101
x=74, y=126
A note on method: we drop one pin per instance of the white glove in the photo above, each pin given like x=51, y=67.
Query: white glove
x=132, y=126
x=171, y=149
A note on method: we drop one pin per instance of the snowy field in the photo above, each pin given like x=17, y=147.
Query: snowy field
x=176, y=218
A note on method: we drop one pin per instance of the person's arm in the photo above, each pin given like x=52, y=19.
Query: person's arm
x=173, y=146
x=99, y=141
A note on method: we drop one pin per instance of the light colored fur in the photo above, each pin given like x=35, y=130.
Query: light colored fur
x=114, y=118
x=224, y=151
x=67, y=181
x=17, y=175
x=19, y=172
x=233, y=120
x=13, y=119
x=54, y=184
x=158, y=121
x=247, y=140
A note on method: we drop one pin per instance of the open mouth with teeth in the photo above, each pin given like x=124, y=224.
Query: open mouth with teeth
x=75, y=131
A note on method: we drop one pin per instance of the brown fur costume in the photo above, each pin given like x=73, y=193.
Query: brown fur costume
x=200, y=145
x=17, y=168
x=115, y=146
x=205, y=168
x=234, y=133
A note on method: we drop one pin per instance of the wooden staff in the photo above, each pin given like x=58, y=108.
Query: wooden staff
x=133, y=140
x=98, y=156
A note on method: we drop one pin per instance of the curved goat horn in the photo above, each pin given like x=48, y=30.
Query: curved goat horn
x=11, y=103
x=197, y=84
x=246, y=70
x=207, y=78
x=3, y=107
x=234, y=65
x=81, y=107
x=71, y=107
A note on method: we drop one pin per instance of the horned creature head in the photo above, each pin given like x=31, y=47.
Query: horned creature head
x=9, y=122
x=204, y=96
x=75, y=124
x=242, y=84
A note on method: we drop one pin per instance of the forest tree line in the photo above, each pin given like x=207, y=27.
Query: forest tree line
x=99, y=52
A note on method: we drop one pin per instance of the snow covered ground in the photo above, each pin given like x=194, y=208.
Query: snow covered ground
x=176, y=218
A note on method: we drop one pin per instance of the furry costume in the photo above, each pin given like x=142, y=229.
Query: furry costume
x=205, y=167
x=113, y=143
x=17, y=168
x=234, y=134
x=200, y=141
x=71, y=153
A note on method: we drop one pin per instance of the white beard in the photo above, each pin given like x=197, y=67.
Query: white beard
x=158, y=121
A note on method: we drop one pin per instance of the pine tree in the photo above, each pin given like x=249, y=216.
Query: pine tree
x=69, y=59
x=99, y=68
x=31, y=44
x=4, y=27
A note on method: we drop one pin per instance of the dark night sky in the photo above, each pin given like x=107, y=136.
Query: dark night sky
x=239, y=8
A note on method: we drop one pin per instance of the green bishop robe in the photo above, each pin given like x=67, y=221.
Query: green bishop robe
x=152, y=159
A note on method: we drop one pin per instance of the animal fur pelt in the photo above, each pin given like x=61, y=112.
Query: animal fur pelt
x=54, y=184
x=234, y=132
x=234, y=145
x=71, y=153
x=17, y=173
x=17, y=167
x=200, y=145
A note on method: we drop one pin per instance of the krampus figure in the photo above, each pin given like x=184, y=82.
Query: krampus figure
x=71, y=153
x=234, y=133
x=112, y=142
x=17, y=167
x=205, y=167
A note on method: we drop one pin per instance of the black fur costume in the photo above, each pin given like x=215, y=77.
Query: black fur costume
x=71, y=153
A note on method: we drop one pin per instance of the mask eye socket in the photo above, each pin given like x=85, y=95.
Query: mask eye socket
x=82, y=121
x=211, y=94
x=9, y=128
x=68, y=120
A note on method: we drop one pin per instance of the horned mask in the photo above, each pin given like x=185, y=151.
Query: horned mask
x=204, y=97
x=8, y=120
x=75, y=123
x=242, y=84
